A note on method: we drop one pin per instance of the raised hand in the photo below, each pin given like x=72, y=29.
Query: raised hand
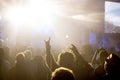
x=73, y=48
x=47, y=45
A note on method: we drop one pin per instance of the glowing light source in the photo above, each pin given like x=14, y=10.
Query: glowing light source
x=33, y=13
x=35, y=17
x=15, y=15
x=67, y=36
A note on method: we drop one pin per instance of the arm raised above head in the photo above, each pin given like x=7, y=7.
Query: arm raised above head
x=50, y=60
x=47, y=46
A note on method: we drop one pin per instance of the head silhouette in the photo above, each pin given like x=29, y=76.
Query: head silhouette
x=62, y=74
x=20, y=57
x=28, y=54
x=66, y=59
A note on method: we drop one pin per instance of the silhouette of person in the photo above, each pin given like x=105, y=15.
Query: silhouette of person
x=18, y=72
x=72, y=60
x=4, y=65
x=62, y=74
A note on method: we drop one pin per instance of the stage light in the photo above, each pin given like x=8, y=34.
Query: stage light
x=33, y=13
x=32, y=21
x=34, y=18
x=67, y=36
x=15, y=15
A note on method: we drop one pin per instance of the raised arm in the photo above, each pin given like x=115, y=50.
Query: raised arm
x=79, y=58
x=80, y=61
x=94, y=57
x=81, y=64
x=51, y=62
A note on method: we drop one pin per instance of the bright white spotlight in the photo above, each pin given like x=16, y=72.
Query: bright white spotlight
x=15, y=15
x=34, y=13
x=35, y=17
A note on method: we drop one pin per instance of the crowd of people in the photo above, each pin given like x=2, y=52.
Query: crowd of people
x=70, y=65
